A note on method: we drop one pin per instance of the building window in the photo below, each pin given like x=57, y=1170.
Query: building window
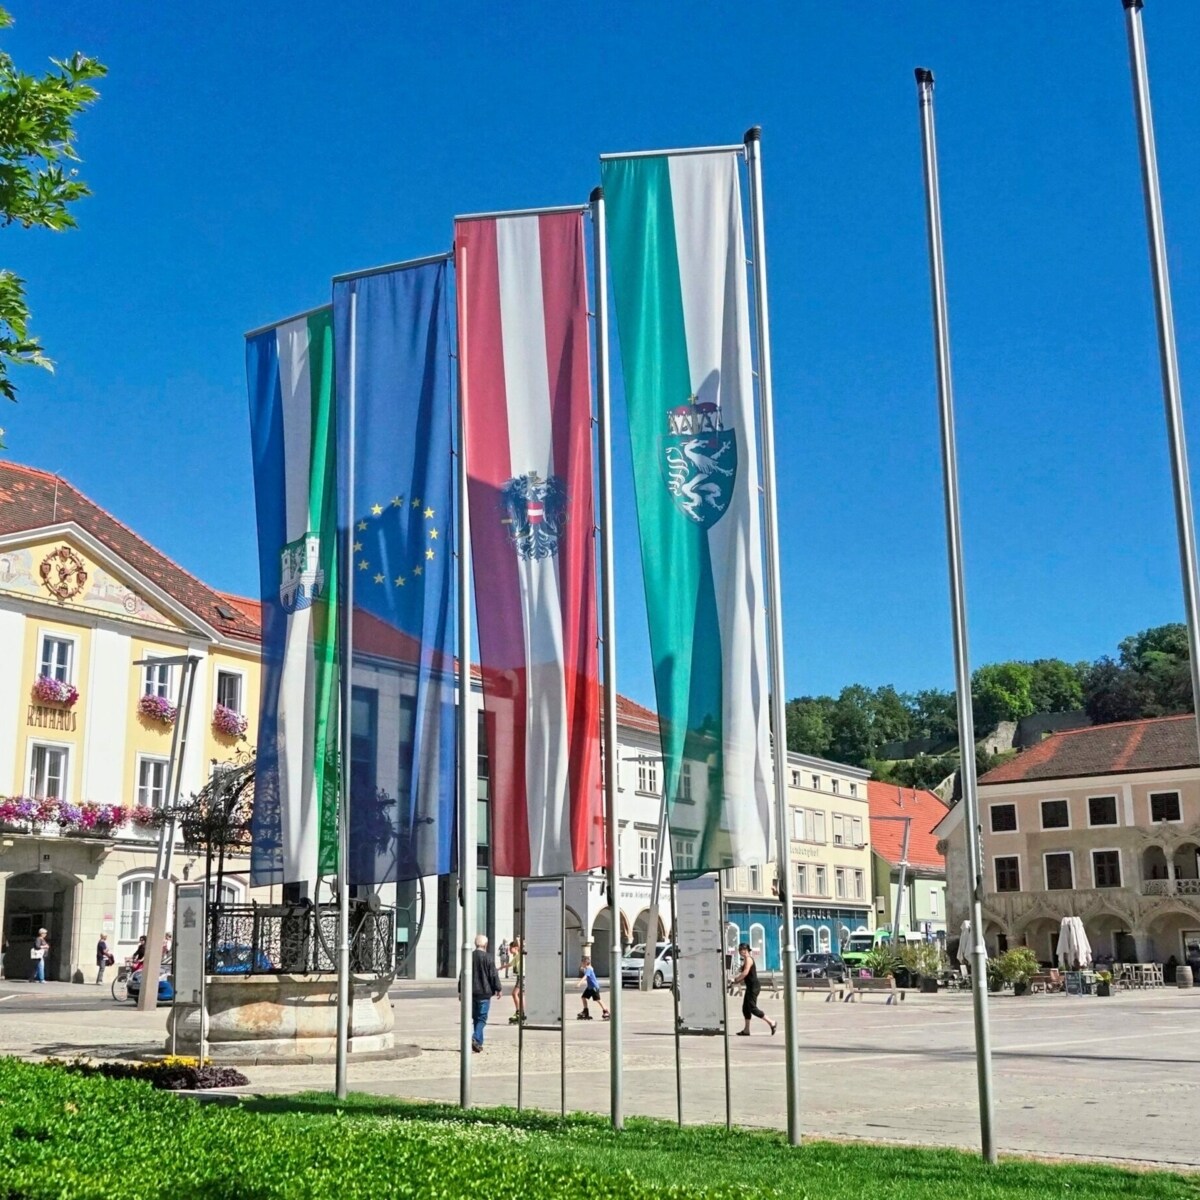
x=839, y=835
x=135, y=908
x=647, y=777
x=801, y=879
x=229, y=690
x=795, y=779
x=56, y=662
x=854, y=789
x=819, y=885
x=1164, y=806
x=1106, y=868
x=859, y=885
x=1060, y=872
x=833, y=786
x=816, y=783
x=152, y=782
x=933, y=904
x=48, y=773
x=1004, y=818
x=755, y=879
x=1102, y=810
x=728, y=875
x=685, y=783
x=839, y=882
x=647, y=849
x=856, y=831
x=1008, y=874
x=156, y=679
x=483, y=764
x=1056, y=814
x=823, y=938
x=798, y=824
x=818, y=827
x=685, y=854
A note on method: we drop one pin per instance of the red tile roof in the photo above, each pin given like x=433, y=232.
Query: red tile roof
x=887, y=836
x=1155, y=744
x=31, y=499
x=635, y=716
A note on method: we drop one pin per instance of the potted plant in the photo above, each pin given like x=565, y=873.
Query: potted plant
x=881, y=961
x=228, y=722
x=157, y=708
x=1018, y=966
x=48, y=690
x=1103, y=983
x=924, y=963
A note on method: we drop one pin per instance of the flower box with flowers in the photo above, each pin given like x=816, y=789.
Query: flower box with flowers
x=24, y=814
x=228, y=722
x=47, y=690
x=157, y=708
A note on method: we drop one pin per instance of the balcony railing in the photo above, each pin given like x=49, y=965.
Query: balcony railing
x=1171, y=887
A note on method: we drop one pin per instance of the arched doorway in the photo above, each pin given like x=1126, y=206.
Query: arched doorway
x=1041, y=936
x=1187, y=869
x=642, y=925
x=574, y=940
x=601, y=933
x=806, y=939
x=40, y=900
x=1154, y=864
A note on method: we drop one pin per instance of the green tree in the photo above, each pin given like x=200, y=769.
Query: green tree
x=808, y=730
x=1056, y=686
x=1001, y=692
x=935, y=714
x=38, y=184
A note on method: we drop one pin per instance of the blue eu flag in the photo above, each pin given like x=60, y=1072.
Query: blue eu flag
x=392, y=352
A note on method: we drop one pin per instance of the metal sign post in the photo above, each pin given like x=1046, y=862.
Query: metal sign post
x=187, y=962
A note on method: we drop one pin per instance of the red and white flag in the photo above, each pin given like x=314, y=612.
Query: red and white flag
x=526, y=388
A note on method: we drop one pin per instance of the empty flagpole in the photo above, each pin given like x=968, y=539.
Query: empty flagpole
x=466, y=798
x=958, y=610
x=753, y=145
x=608, y=634
x=1168, y=359
x=343, y=824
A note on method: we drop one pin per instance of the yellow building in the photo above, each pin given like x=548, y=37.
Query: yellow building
x=86, y=609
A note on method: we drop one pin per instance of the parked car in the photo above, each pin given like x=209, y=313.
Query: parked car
x=166, y=992
x=233, y=958
x=821, y=964
x=664, y=965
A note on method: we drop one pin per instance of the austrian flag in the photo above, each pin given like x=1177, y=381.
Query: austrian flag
x=526, y=395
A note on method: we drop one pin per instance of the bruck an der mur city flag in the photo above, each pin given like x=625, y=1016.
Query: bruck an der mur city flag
x=678, y=269
x=289, y=370
x=392, y=336
x=526, y=389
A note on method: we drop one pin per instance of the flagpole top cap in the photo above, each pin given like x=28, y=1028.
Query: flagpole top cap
x=597, y=194
x=1134, y=4
x=753, y=134
x=924, y=76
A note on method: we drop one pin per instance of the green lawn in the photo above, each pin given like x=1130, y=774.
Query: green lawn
x=63, y=1135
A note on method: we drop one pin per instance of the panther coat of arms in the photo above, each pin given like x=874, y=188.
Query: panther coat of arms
x=698, y=457
x=535, y=513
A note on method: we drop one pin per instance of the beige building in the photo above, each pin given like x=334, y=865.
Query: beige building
x=87, y=612
x=1101, y=823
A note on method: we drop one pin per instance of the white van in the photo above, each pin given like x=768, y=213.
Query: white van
x=664, y=965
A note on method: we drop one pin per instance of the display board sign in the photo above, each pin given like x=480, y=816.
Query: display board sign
x=700, y=959
x=543, y=961
x=187, y=965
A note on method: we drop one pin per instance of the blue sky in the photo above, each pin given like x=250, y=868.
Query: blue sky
x=240, y=160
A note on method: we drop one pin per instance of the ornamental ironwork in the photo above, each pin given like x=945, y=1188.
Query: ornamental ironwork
x=63, y=574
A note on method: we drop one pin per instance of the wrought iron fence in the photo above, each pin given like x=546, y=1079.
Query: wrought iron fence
x=298, y=939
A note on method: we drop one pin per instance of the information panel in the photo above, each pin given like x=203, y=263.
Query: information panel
x=187, y=963
x=542, y=961
x=700, y=961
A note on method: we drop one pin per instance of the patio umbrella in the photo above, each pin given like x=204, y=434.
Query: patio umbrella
x=966, y=943
x=1073, y=945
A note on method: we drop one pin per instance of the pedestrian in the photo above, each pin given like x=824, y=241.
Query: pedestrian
x=139, y=951
x=485, y=987
x=748, y=978
x=165, y=957
x=504, y=958
x=104, y=958
x=3, y=955
x=591, y=989
x=515, y=960
x=41, y=947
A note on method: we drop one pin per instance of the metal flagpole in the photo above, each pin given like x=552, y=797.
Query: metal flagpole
x=1168, y=360
x=958, y=612
x=344, y=727
x=753, y=142
x=608, y=634
x=466, y=764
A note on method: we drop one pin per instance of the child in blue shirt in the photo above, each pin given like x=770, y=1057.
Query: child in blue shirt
x=591, y=990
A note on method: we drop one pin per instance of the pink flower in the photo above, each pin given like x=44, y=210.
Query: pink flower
x=48, y=690
x=229, y=721
x=157, y=708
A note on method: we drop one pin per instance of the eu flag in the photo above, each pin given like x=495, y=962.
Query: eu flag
x=396, y=519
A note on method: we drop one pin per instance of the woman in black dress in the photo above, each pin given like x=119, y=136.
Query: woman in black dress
x=749, y=980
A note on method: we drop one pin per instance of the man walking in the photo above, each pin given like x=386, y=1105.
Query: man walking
x=485, y=986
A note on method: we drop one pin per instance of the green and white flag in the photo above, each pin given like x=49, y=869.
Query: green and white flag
x=289, y=370
x=678, y=265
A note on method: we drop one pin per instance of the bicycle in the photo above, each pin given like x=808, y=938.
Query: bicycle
x=120, y=985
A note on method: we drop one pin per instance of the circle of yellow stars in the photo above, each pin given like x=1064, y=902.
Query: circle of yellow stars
x=377, y=510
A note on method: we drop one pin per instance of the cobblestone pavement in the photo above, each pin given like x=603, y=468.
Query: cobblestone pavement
x=1111, y=1078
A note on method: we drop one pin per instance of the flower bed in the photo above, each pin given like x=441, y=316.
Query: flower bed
x=47, y=690
x=24, y=813
x=157, y=708
x=229, y=721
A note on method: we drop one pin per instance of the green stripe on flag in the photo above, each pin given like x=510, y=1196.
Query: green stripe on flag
x=322, y=520
x=685, y=636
